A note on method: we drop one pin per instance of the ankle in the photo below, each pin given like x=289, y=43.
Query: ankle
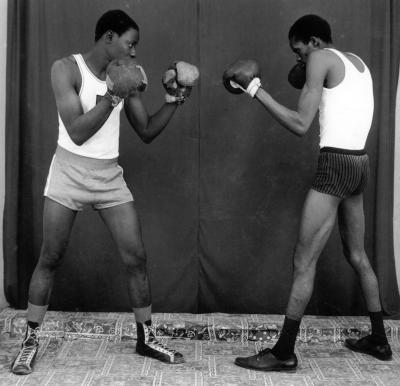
x=284, y=347
x=32, y=325
x=377, y=339
x=143, y=331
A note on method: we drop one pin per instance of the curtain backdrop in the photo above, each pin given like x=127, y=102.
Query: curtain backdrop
x=396, y=198
x=220, y=192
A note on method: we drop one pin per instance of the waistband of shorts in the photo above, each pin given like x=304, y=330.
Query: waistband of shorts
x=337, y=150
x=99, y=163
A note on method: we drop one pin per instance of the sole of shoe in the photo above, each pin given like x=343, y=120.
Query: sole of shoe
x=177, y=362
x=20, y=371
x=352, y=348
x=280, y=369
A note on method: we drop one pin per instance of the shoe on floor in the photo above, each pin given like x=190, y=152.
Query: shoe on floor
x=23, y=363
x=148, y=345
x=266, y=361
x=366, y=346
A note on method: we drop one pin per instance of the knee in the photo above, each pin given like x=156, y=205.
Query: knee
x=357, y=259
x=304, y=261
x=134, y=258
x=303, y=267
x=50, y=259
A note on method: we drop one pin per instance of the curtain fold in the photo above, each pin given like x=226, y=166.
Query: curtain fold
x=386, y=47
x=13, y=283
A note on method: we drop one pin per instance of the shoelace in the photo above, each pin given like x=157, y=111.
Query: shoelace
x=26, y=354
x=29, y=347
x=263, y=352
x=155, y=342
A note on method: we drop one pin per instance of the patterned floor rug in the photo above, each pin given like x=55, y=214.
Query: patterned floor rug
x=99, y=349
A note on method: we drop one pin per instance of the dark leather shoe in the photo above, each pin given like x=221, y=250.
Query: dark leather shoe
x=266, y=361
x=366, y=346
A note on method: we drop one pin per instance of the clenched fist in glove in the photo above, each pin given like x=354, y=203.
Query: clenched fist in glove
x=297, y=75
x=242, y=76
x=178, y=81
x=124, y=77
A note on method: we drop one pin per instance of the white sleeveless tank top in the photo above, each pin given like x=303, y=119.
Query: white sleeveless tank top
x=105, y=143
x=346, y=110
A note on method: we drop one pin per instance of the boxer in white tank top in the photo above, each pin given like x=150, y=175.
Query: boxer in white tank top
x=339, y=85
x=85, y=171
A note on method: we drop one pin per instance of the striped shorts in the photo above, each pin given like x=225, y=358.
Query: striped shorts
x=76, y=181
x=341, y=172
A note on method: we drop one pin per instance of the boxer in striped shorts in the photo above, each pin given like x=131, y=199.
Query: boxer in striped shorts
x=339, y=85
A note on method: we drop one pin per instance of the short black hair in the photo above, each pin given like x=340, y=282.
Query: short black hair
x=115, y=20
x=310, y=25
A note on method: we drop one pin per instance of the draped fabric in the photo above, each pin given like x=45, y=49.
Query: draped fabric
x=396, y=198
x=220, y=191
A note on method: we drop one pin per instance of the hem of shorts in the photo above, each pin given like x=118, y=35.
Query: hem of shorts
x=62, y=203
x=112, y=205
x=330, y=194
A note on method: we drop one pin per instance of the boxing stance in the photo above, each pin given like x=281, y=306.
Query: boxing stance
x=339, y=85
x=90, y=91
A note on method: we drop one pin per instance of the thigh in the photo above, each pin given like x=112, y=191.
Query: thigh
x=124, y=225
x=57, y=225
x=317, y=221
x=352, y=223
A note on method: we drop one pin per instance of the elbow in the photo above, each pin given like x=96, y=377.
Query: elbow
x=146, y=139
x=300, y=129
x=301, y=132
x=77, y=140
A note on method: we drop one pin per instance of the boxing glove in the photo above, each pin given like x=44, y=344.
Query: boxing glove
x=297, y=75
x=178, y=81
x=242, y=76
x=124, y=76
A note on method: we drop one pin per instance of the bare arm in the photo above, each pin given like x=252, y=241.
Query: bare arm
x=299, y=121
x=146, y=126
x=80, y=126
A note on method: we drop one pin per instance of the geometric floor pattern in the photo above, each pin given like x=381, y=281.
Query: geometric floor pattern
x=95, y=360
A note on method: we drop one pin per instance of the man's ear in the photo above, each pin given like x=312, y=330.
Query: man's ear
x=316, y=42
x=108, y=36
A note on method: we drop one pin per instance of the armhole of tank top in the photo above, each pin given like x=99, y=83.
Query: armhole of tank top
x=339, y=55
x=362, y=62
x=78, y=59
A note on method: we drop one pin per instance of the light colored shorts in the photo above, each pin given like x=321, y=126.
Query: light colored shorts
x=76, y=181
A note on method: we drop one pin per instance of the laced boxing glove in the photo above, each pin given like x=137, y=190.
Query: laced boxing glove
x=242, y=76
x=297, y=75
x=124, y=77
x=178, y=81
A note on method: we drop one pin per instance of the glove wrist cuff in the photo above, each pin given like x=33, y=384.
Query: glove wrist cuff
x=253, y=87
x=173, y=99
x=114, y=99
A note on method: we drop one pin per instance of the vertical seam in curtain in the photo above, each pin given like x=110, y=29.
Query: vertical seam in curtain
x=198, y=249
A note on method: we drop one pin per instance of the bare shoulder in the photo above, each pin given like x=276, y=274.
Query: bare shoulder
x=65, y=70
x=65, y=66
x=322, y=56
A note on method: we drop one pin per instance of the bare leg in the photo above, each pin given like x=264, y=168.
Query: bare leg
x=57, y=225
x=123, y=223
x=352, y=227
x=317, y=221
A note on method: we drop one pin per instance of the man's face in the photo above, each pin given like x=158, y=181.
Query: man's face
x=124, y=45
x=301, y=49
